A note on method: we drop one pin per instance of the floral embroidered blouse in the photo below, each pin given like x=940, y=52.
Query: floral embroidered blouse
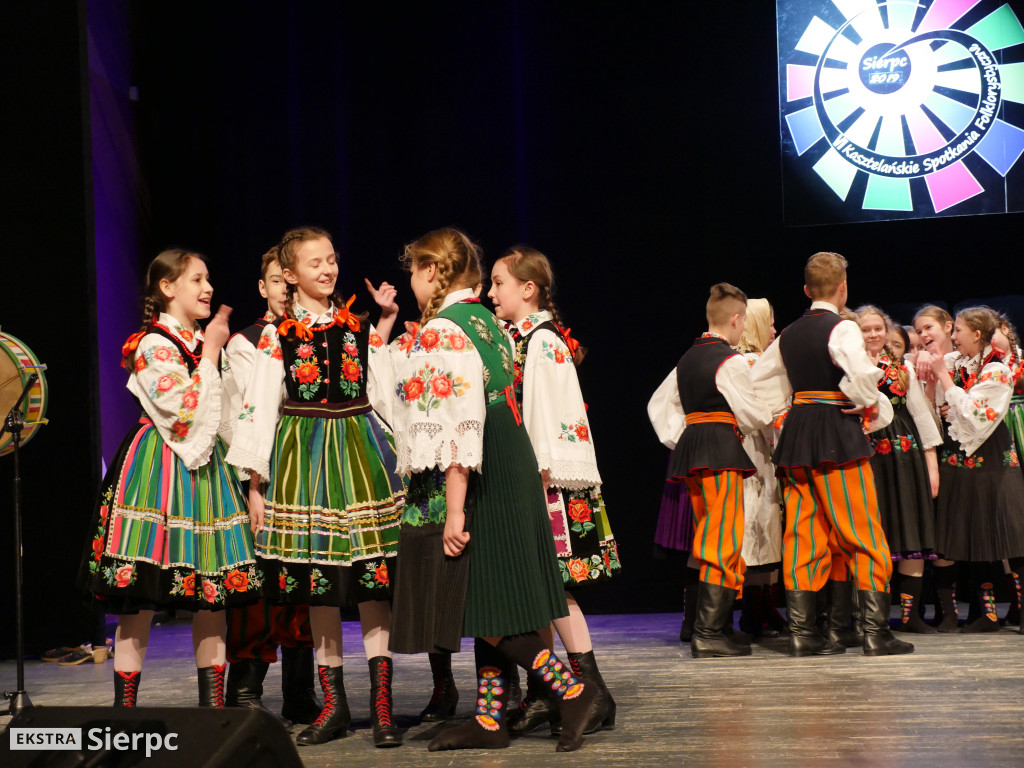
x=184, y=407
x=980, y=400
x=266, y=387
x=912, y=398
x=439, y=398
x=235, y=367
x=553, y=409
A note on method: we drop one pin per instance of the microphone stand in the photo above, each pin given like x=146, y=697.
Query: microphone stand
x=13, y=423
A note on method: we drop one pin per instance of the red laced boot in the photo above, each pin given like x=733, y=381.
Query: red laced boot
x=385, y=733
x=334, y=717
x=126, y=688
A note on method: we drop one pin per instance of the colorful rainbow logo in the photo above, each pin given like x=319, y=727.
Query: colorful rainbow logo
x=902, y=90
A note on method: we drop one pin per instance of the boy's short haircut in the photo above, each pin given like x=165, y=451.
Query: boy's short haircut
x=268, y=258
x=726, y=300
x=823, y=274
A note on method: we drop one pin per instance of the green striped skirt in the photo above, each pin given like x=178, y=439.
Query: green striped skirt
x=332, y=511
x=167, y=537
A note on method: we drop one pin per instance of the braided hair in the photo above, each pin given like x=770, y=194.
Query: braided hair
x=458, y=262
x=527, y=264
x=168, y=265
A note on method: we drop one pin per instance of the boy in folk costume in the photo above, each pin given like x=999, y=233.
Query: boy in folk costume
x=709, y=398
x=822, y=460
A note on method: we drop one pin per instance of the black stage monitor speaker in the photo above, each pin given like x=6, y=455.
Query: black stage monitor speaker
x=185, y=737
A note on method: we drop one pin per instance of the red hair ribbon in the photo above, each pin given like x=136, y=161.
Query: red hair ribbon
x=570, y=342
x=301, y=331
x=510, y=398
x=344, y=315
x=130, y=346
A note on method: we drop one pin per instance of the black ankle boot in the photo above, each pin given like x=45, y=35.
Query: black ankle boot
x=334, y=718
x=537, y=708
x=211, y=686
x=445, y=696
x=126, y=689
x=488, y=728
x=301, y=705
x=945, y=591
x=804, y=638
x=584, y=666
x=385, y=732
x=840, y=615
x=245, y=684
x=910, y=598
x=878, y=638
x=690, y=592
x=714, y=613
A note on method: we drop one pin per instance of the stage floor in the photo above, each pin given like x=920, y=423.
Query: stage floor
x=958, y=701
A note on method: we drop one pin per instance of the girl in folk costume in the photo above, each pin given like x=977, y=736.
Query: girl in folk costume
x=762, y=514
x=934, y=327
x=328, y=515
x=981, y=492
x=172, y=529
x=477, y=556
x=256, y=631
x=905, y=467
x=549, y=396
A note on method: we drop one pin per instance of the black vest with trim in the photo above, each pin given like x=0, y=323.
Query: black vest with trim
x=253, y=332
x=712, y=446
x=816, y=435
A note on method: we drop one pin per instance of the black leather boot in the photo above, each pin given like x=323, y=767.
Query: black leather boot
x=840, y=615
x=211, y=686
x=445, y=696
x=488, y=728
x=910, y=598
x=584, y=665
x=878, y=638
x=945, y=590
x=772, y=617
x=385, y=732
x=804, y=638
x=245, y=684
x=334, y=718
x=714, y=612
x=126, y=689
x=536, y=709
x=690, y=592
x=301, y=705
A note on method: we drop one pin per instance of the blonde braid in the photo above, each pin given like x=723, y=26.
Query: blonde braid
x=442, y=282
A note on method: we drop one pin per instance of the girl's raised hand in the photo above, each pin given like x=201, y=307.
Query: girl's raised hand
x=216, y=334
x=384, y=297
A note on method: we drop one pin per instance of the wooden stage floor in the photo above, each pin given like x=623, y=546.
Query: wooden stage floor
x=958, y=701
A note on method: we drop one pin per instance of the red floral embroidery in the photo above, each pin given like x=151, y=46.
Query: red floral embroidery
x=162, y=353
x=579, y=511
x=180, y=429
x=282, y=582
x=351, y=349
x=457, y=341
x=559, y=356
x=277, y=354
x=969, y=462
x=582, y=432
x=905, y=443
x=189, y=585
x=376, y=340
x=884, y=446
x=164, y=383
x=140, y=363
x=350, y=370
x=429, y=339
x=441, y=386
x=236, y=581
x=264, y=342
x=414, y=388
x=578, y=570
x=123, y=576
x=307, y=372
x=380, y=575
x=304, y=351
x=189, y=400
x=209, y=591
x=991, y=415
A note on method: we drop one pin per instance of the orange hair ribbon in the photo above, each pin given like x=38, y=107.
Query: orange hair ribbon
x=344, y=315
x=570, y=342
x=130, y=346
x=301, y=331
x=412, y=331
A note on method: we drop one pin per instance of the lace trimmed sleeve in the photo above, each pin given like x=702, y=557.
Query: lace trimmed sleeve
x=439, y=402
x=380, y=377
x=185, y=408
x=555, y=414
x=260, y=396
x=974, y=415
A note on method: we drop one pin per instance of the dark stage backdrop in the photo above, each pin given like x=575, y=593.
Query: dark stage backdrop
x=636, y=145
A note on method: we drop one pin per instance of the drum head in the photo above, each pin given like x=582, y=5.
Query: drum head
x=17, y=363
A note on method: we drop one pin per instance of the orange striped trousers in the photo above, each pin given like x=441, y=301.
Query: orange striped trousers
x=836, y=502
x=717, y=499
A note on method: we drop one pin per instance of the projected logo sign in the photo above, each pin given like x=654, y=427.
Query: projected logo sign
x=900, y=109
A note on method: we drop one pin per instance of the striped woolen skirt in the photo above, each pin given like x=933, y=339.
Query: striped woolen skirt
x=332, y=511
x=167, y=537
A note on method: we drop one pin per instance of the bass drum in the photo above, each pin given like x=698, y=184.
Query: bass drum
x=17, y=363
